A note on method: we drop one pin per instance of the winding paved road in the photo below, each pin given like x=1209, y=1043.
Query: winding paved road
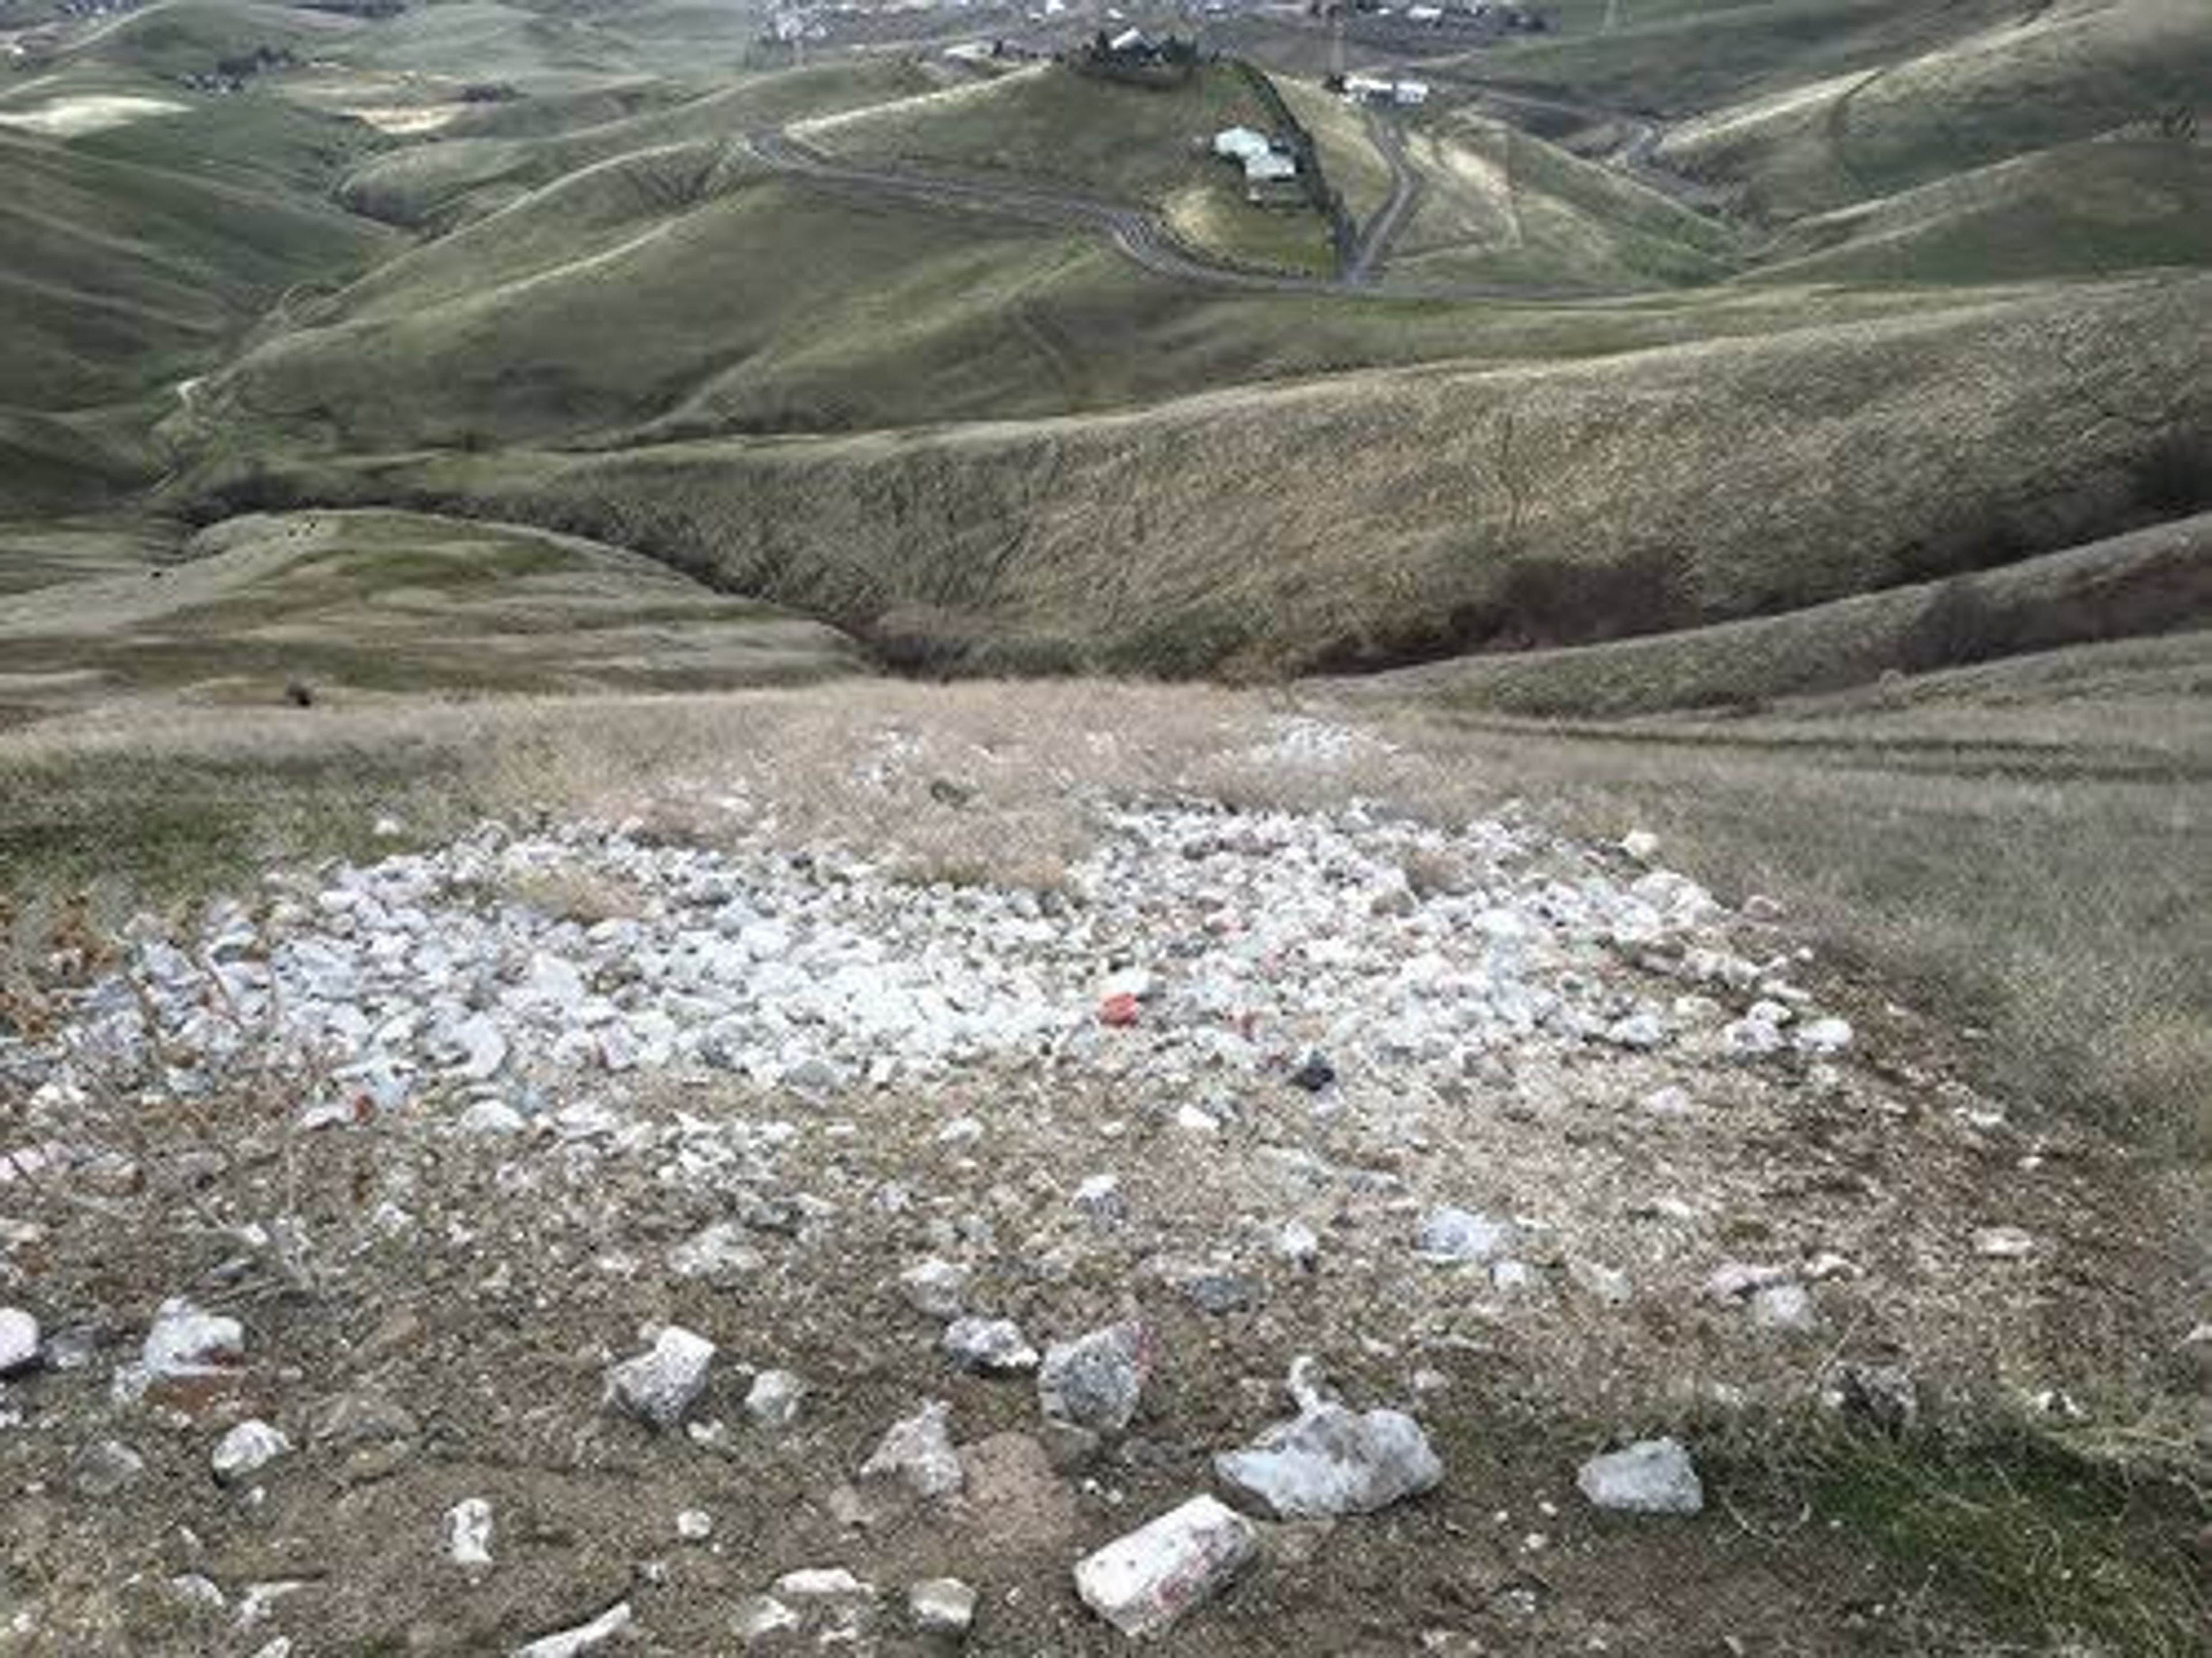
x=1382, y=230
x=1141, y=235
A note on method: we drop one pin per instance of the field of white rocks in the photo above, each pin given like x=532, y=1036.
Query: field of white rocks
x=1309, y=1227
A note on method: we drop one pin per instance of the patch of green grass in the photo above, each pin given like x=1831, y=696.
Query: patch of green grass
x=2024, y=1538
x=2083, y=209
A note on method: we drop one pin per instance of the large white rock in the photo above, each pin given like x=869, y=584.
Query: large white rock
x=1144, y=1582
x=1653, y=1476
x=18, y=1341
x=468, y=1533
x=989, y=1347
x=584, y=1638
x=250, y=1446
x=184, y=1341
x=941, y=1605
x=660, y=1384
x=1330, y=1460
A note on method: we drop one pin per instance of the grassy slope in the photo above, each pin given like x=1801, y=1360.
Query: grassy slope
x=464, y=177
x=2078, y=69
x=1769, y=473
x=2081, y=209
x=2147, y=582
x=384, y=602
x=1148, y=146
x=1499, y=205
x=1677, y=56
x=121, y=274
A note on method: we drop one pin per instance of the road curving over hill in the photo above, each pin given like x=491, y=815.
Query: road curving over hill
x=1143, y=236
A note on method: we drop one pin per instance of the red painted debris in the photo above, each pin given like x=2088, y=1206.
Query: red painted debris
x=1119, y=1009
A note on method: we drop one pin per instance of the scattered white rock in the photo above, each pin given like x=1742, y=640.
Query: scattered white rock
x=695, y=1525
x=1824, y=1038
x=989, y=1347
x=917, y=1453
x=247, y=1447
x=1096, y=1380
x=584, y=1638
x=760, y=1618
x=105, y=1467
x=1330, y=1460
x=821, y=1583
x=468, y=1533
x=721, y=1253
x=935, y=1288
x=184, y=1341
x=1653, y=1476
x=659, y=1385
x=775, y=1398
x=1143, y=1582
x=941, y=1605
x=2004, y=1243
x=1452, y=1237
x=1786, y=1306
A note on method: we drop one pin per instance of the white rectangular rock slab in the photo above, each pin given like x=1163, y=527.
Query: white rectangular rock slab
x=1142, y=1583
x=584, y=1638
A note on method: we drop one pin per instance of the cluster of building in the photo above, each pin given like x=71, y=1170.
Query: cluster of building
x=1370, y=90
x=1271, y=167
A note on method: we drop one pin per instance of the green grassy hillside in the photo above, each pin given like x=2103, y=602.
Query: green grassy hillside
x=382, y=604
x=1382, y=513
x=2048, y=75
x=2149, y=582
x=120, y=275
x=462, y=177
x=2082, y=209
x=1501, y=205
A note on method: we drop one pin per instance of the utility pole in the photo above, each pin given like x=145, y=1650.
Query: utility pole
x=1336, y=39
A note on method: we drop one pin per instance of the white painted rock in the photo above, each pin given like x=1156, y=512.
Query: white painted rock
x=1653, y=1476
x=251, y=1445
x=468, y=1532
x=660, y=1384
x=1143, y=1582
x=18, y=1341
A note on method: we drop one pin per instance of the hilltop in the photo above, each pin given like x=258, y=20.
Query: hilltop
x=1539, y=978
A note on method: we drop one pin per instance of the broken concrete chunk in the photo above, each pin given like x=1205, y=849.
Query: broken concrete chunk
x=1143, y=1582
